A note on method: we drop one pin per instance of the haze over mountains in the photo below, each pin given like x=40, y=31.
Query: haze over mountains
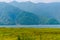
x=11, y=15
x=45, y=10
x=28, y=13
x=51, y=9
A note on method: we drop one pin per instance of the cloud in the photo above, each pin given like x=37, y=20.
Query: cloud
x=50, y=1
x=22, y=0
x=46, y=1
x=6, y=0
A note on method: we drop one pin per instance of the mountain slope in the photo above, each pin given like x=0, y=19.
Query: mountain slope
x=50, y=10
x=32, y=7
x=13, y=14
x=9, y=15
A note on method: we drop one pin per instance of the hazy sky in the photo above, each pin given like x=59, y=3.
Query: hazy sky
x=46, y=1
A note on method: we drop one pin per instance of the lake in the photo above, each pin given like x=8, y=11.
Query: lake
x=32, y=26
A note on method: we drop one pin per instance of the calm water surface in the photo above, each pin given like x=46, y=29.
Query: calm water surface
x=32, y=26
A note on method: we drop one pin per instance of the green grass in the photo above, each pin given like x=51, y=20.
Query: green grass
x=29, y=33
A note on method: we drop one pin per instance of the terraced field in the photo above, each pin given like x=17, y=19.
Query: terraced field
x=29, y=33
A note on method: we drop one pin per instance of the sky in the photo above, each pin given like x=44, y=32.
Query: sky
x=45, y=1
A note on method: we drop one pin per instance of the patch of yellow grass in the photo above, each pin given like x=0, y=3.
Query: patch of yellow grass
x=30, y=33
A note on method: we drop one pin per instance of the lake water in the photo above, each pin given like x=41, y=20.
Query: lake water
x=32, y=26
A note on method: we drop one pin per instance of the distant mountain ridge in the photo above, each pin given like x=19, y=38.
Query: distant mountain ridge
x=42, y=9
x=11, y=15
x=28, y=13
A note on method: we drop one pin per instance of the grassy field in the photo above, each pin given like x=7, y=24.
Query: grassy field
x=29, y=33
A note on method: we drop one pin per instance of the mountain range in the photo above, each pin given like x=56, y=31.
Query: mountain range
x=28, y=13
x=11, y=15
x=41, y=9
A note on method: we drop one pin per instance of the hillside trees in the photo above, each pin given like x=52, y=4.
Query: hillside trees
x=53, y=21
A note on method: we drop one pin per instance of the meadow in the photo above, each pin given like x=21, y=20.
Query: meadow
x=29, y=33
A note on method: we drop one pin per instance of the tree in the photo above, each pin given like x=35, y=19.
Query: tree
x=53, y=21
